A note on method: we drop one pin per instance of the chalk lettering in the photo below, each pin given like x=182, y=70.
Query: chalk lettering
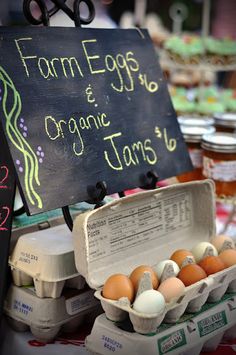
x=5, y=177
x=73, y=128
x=111, y=65
x=148, y=148
x=54, y=130
x=127, y=155
x=91, y=58
x=129, y=58
x=111, y=138
x=45, y=65
x=151, y=86
x=23, y=58
x=69, y=62
x=170, y=143
x=7, y=213
x=131, y=155
x=89, y=93
x=120, y=65
x=60, y=129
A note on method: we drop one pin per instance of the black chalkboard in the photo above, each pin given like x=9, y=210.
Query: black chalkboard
x=7, y=193
x=84, y=105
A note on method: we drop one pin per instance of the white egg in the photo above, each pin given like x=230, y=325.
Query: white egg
x=149, y=302
x=161, y=266
x=203, y=249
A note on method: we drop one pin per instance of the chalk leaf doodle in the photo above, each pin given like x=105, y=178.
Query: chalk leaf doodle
x=12, y=123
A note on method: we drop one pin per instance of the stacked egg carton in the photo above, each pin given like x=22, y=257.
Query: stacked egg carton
x=48, y=294
x=144, y=229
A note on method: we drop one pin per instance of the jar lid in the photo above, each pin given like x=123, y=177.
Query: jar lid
x=219, y=142
x=196, y=121
x=193, y=134
x=225, y=119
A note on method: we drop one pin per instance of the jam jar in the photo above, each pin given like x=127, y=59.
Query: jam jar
x=225, y=122
x=219, y=162
x=196, y=121
x=192, y=136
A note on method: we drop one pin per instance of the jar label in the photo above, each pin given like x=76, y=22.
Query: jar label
x=219, y=170
x=196, y=157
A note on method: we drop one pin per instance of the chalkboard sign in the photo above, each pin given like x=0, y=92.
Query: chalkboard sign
x=84, y=105
x=7, y=193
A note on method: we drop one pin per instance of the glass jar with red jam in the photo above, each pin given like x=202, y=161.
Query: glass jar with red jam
x=219, y=162
x=192, y=136
x=225, y=122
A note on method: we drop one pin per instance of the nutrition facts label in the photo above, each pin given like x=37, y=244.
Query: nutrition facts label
x=122, y=228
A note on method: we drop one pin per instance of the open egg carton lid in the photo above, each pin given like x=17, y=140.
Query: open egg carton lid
x=144, y=228
x=47, y=255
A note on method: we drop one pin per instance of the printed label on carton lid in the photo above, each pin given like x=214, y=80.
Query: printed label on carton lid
x=212, y=323
x=109, y=234
x=81, y=302
x=172, y=341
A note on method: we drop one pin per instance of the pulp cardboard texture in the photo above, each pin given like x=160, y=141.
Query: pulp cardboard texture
x=147, y=228
x=46, y=259
x=47, y=316
x=196, y=333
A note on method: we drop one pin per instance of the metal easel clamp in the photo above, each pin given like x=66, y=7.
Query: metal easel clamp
x=46, y=13
x=149, y=180
x=97, y=194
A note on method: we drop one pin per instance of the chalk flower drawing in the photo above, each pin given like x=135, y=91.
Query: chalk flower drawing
x=12, y=113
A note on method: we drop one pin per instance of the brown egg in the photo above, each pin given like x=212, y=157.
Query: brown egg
x=191, y=273
x=212, y=264
x=180, y=255
x=117, y=286
x=228, y=257
x=222, y=240
x=137, y=274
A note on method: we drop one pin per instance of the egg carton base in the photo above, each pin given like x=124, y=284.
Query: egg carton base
x=46, y=289
x=46, y=334
x=216, y=294
x=196, y=350
x=148, y=325
x=210, y=290
x=212, y=343
x=112, y=341
x=196, y=304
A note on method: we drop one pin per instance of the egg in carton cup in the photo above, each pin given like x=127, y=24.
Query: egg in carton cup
x=45, y=259
x=145, y=229
x=46, y=317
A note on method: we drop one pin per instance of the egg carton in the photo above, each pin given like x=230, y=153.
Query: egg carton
x=144, y=229
x=45, y=259
x=46, y=317
x=44, y=288
x=192, y=335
